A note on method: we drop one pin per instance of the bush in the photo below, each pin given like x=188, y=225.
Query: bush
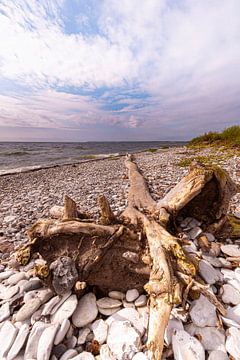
x=229, y=137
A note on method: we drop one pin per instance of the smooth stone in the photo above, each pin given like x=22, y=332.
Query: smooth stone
x=50, y=305
x=208, y=273
x=218, y=355
x=132, y=295
x=214, y=261
x=42, y=294
x=71, y=342
x=108, y=303
x=5, y=275
x=209, y=236
x=84, y=356
x=229, y=322
x=8, y=334
x=130, y=315
x=228, y=274
x=141, y=301
x=191, y=247
x=230, y=295
x=108, y=312
x=86, y=311
x=36, y=316
x=140, y=356
x=186, y=347
x=4, y=312
x=63, y=299
x=123, y=339
x=15, y=278
x=66, y=310
x=128, y=304
x=237, y=273
x=231, y=250
x=69, y=354
x=211, y=338
x=46, y=342
x=195, y=232
x=33, y=340
x=233, y=313
x=53, y=357
x=105, y=353
x=235, y=283
x=32, y=284
x=82, y=335
x=173, y=324
x=100, y=330
x=28, y=309
x=144, y=315
x=62, y=331
x=203, y=313
x=9, y=292
x=59, y=350
x=116, y=295
x=19, y=342
x=233, y=343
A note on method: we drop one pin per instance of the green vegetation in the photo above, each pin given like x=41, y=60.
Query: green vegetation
x=151, y=150
x=87, y=156
x=211, y=159
x=228, y=138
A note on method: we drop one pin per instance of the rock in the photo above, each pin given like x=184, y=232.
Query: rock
x=69, y=354
x=212, y=260
x=82, y=336
x=233, y=313
x=100, y=330
x=15, y=278
x=208, y=273
x=108, y=312
x=66, y=310
x=218, y=355
x=132, y=295
x=209, y=236
x=229, y=322
x=43, y=295
x=123, y=339
x=108, y=303
x=8, y=333
x=64, y=274
x=32, y=284
x=105, y=353
x=144, y=315
x=28, y=309
x=186, y=347
x=86, y=310
x=62, y=331
x=141, y=301
x=203, y=313
x=56, y=211
x=230, y=295
x=173, y=324
x=4, y=312
x=140, y=356
x=19, y=342
x=32, y=343
x=46, y=342
x=235, y=283
x=59, y=350
x=231, y=250
x=131, y=256
x=63, y=299
x=232, y=343
x=50, y=305
x=84, y=356
x=130, y=315
x=211, y=338
x=228, y=274
x=9, y=292
x=195, y=232
x=71, y=342
x=117, y=295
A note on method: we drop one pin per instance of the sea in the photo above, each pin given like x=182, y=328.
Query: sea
x=25, y=156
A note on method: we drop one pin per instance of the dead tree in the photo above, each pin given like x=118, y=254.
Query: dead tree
x=139, y=249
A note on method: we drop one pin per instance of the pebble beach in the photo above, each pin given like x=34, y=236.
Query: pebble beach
x=41, y=325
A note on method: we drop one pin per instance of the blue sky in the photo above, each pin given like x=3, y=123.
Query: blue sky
x=79, y=70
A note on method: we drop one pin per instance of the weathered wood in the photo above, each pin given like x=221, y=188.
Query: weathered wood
x=70, y=209
x=107, y=217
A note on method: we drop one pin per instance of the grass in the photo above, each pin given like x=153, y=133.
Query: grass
x=205, y=160
x=152, y=150
x=228, y=138
x=87, y=156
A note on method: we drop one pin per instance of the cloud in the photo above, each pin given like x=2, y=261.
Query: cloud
x=156, y=64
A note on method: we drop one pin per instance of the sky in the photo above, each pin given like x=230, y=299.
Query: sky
x=88, y=70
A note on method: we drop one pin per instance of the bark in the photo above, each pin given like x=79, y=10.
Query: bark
x=138, y=249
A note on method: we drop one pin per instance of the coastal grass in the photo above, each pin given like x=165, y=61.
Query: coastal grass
x=152, y=150
x=228, y=138
x=211, y=159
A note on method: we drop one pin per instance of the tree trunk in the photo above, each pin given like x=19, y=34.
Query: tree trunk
x=139, y=249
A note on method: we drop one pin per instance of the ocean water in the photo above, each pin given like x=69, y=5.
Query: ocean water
x=23, y=156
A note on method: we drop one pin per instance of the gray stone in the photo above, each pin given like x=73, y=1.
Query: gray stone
x=123, y=339
x=208, y=273
x=28, y=309
x=46, y=342
x=33, y=340
x=64, y=274
x=59, y=350
x=140, y=356
x=108, y=303
x=71, y=342
x=32, y=284
x=173, y=324
x=186, y=347
x=233, y=313
x=229, y=322
x=63, y=299
x=19, y=342
x=231, y=250
x=195, y=232
x=65, y=325
x=9, y=292
x=15, y=278
x=117, y=295
x=209, y=236
x=69, y=354
x=105, y=353
x=86, y=310
x=50, y=305
x=230, y=295
x=8, y=333
x=218, y=355
x=84, y=356
x=130, y=315
x=203, y=313
x=4, y=312
x=233, y=343
x=211, y=338
x=141, y=301
x=132, y=295
x=82, y=336
x=108, y=312
x=100, y=330
x=66, y=310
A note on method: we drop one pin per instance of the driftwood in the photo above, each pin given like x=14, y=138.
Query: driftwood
x=139, y=249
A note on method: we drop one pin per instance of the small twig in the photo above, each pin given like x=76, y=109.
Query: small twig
x=186, y=292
